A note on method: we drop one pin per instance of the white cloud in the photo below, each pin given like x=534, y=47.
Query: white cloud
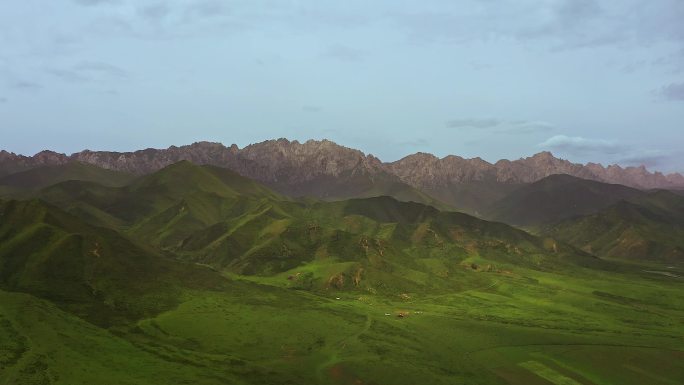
x=501, y=126
x=577, y=145
x=472, y=123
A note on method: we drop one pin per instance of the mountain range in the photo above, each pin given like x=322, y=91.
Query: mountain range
x=287, y=165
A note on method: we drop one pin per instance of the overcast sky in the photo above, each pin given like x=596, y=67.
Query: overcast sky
x=588, y=80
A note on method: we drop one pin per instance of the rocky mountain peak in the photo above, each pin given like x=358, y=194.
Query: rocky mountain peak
x=293, y=162
x=544, y=155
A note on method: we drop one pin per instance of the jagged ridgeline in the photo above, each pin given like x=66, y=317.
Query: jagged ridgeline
x=325, y=170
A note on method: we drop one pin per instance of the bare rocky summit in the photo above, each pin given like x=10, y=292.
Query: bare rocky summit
x=289, y=163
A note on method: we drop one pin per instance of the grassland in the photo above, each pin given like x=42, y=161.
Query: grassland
x=515, y=326
x=195, y=275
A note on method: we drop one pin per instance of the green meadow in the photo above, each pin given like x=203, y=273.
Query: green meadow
x=515, y=326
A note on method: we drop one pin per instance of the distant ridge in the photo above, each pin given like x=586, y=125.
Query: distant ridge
x=556, y=198
x=288, y=165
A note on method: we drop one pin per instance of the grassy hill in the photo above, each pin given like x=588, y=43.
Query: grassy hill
x=41, y=177
x=555, y=198
x=213, y=216
x=94, y=272
x=649, y=227
x=475, y=197
x=358, y=184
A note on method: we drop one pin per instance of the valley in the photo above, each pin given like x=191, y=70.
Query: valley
x=261, y=332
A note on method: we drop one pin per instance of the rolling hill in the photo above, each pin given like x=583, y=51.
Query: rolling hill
x=94, y=272
x=648, y=227
x=44, y=176
x=475, y=197
x=555, y=198
x=213, y=216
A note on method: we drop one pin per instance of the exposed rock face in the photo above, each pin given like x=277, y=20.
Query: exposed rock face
x=301, y=162
x=150, y=160
x=426, y=170
x=284, y=162
x=11, y=163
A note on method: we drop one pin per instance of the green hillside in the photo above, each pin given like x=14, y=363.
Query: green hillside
x=358, y=184
x=41, y=177
x=196, y=275
x=214, y=216
x=555, y=198
x=650, y=227
x=94, y=272
x=475, y=197
x=513, y=326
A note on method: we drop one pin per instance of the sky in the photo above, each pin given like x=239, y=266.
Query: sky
x=589, y=80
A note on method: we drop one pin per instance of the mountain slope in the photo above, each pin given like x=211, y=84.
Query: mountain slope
x=214, y=216
x=94, y=272
x=650, y=227
x=368, y=239
x=44, y=176
x=555, y=198
x=474, y=197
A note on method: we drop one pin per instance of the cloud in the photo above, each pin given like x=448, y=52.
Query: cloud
x=101, y=68
x=344, y=53
x=472, y=123
x=87, y=71
x=95, y=2
x=155, y=11
x=205, y=9
x=560, y=19
x=168, y=20
x=526, y=126
x=633, y=156
x=570, y=11
x=68, y=75
x=3, y=100
x=312, y=108
x=555, y=24
x=25, y=85
x=499, y=126
x=648, y=158
x=577, y=145
x=672, y=62
x=672, y=91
